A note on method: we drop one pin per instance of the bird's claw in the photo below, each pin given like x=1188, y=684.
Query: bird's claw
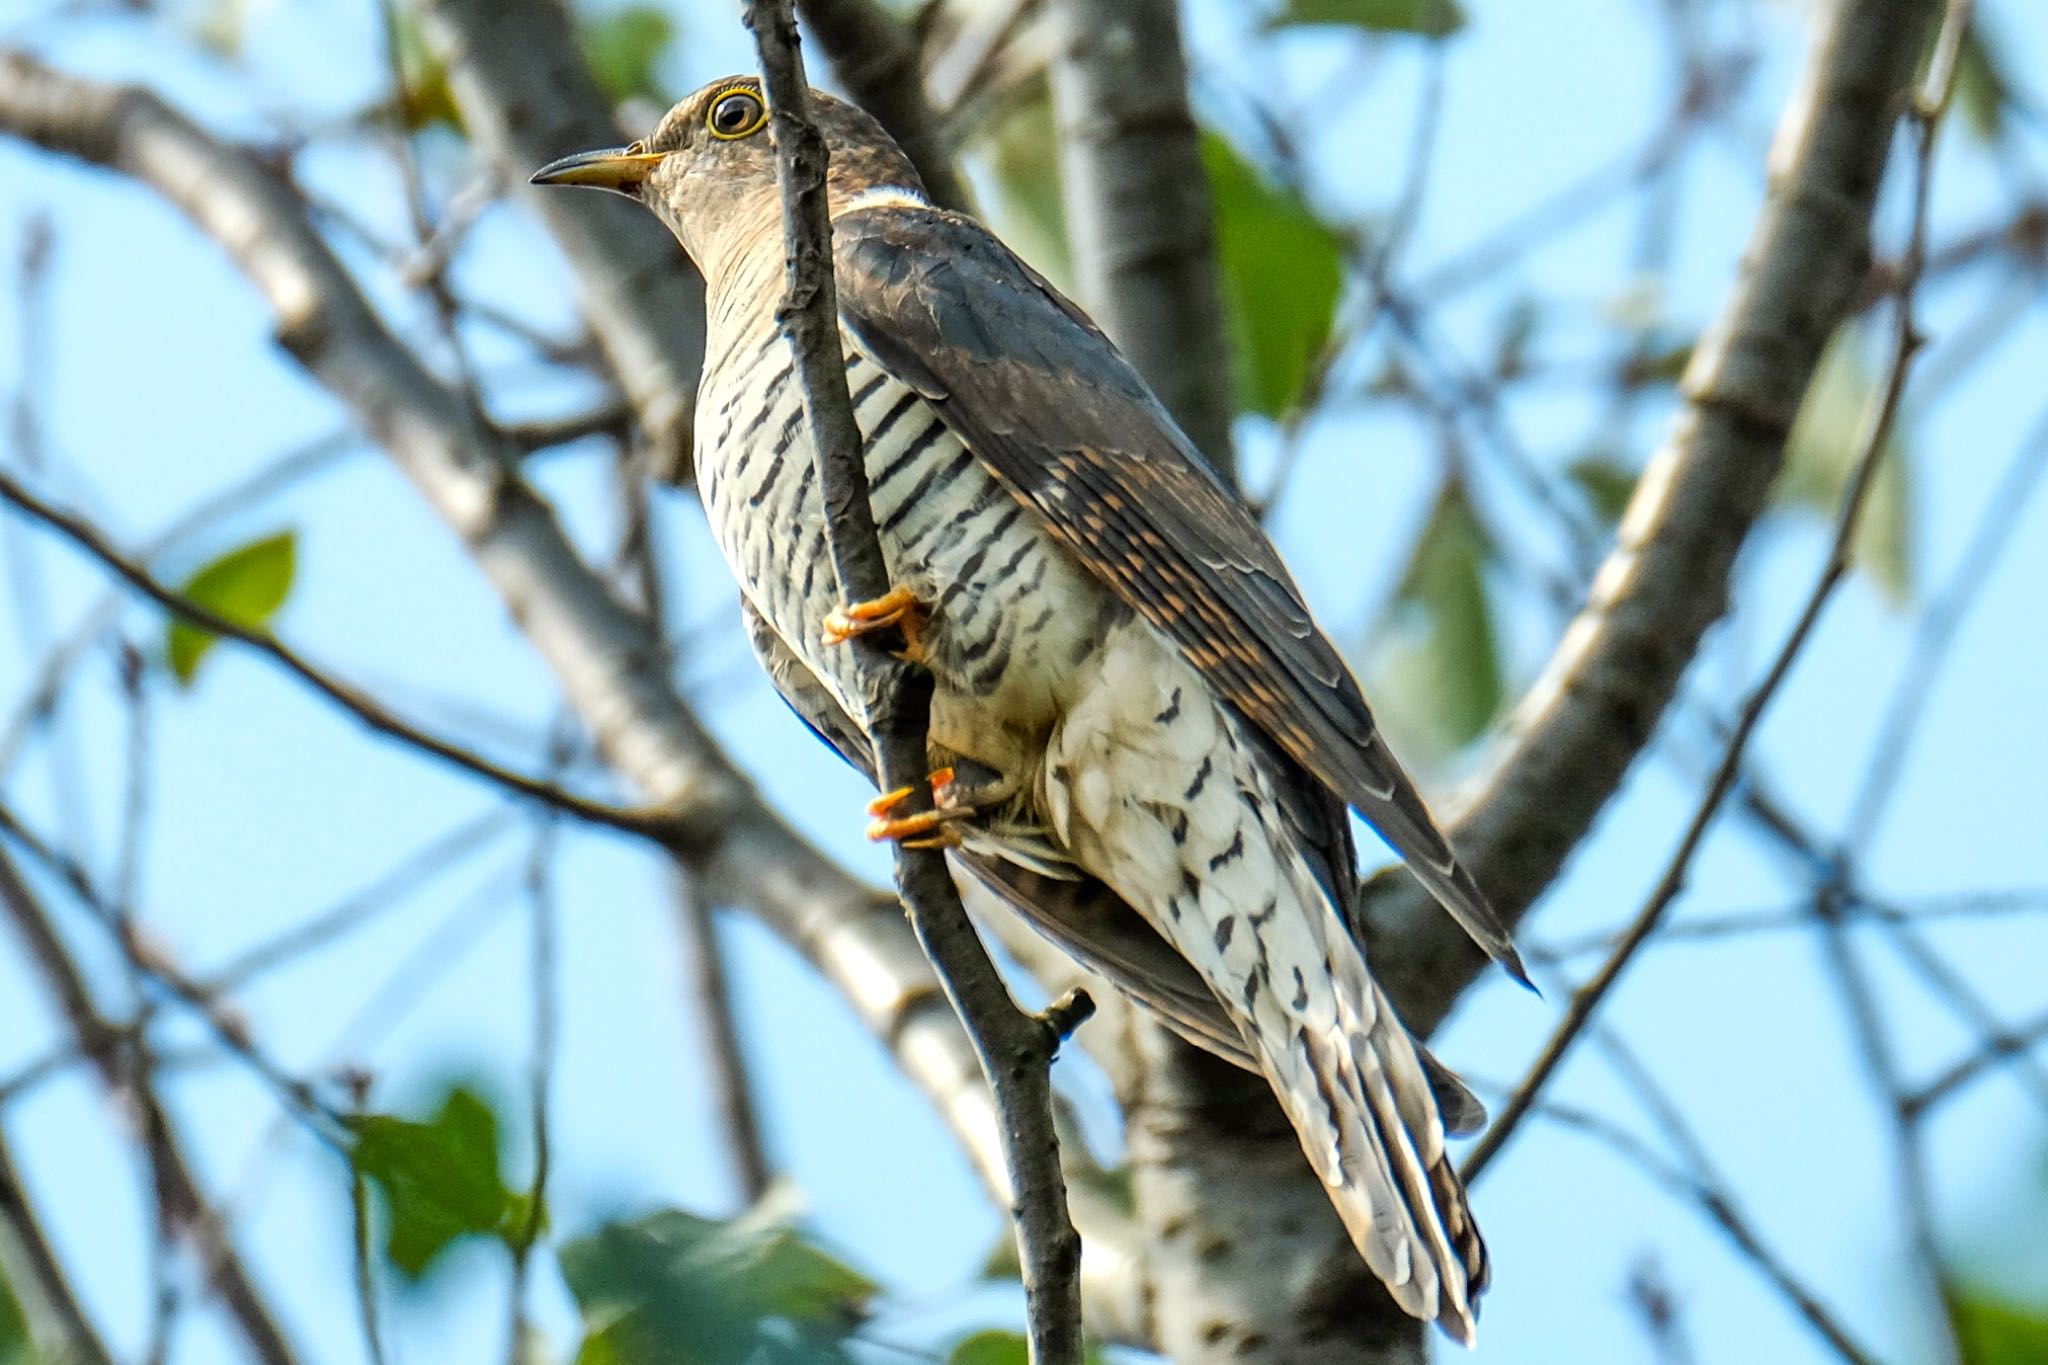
x=897, y=607
x=931, y=828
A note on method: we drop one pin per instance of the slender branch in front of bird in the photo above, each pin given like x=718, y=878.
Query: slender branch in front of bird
x=1016, y=1048
x=1925, y=117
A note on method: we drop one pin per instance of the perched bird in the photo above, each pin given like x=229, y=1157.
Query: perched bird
x=1139, y=738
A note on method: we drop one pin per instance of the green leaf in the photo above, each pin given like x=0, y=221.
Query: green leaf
x=678, y=1289
x=1983, y=93
x=1821, y=455
x=1439, y=668
x=1282, y=271
x=995, y=1347
x=991, y=1348
x=1430, y=18
x=245, y=585
x=1993, y=1330
x=424, y=97
x=16, y=1346
x=624, y=47
x=1023, y=149
x=1606, y=483
x=439, y=1179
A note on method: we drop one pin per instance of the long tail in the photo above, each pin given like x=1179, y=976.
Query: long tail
x=1361, y=1100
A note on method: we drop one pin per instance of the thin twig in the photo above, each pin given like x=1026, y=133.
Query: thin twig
x=29, y=1266
x=1016, y=1049
x=85, y=536
x=710, y=994
x=184, y=1203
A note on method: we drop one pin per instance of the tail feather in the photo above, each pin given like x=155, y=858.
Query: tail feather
x=1361, y=1099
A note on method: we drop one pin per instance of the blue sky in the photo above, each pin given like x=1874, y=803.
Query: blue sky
x=267, y=805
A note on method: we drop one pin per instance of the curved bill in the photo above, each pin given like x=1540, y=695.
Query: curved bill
x=619, y=169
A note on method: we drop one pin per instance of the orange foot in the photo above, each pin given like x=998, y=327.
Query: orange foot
x=923, y=829
x=897, y=607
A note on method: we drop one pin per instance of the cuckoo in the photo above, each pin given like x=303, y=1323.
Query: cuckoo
x=1140, y=740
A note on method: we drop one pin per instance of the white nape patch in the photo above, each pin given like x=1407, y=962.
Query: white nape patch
x=887, y=197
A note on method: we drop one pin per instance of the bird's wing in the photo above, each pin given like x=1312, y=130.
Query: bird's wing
x=1036, y=391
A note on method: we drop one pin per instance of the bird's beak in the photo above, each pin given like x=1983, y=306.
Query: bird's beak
x=619, y=169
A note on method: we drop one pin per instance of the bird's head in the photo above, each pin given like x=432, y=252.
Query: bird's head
x=708, y=170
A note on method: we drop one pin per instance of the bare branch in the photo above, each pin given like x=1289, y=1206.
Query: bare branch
x=82, y=534
x=1582, y=725
x=184, y=1204
x=711, y=998
x=1016, y=1048
x=1906, y=341
x=877, y=58
x=527, y=97
x=59, y=1330
x=1138, y=210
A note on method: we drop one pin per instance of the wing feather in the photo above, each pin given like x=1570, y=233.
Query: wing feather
x=1037, y=392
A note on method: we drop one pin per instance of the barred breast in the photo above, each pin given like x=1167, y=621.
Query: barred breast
x=1010, y=614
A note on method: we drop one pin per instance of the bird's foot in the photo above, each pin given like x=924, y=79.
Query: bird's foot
x=897, y=607
x=931, y=828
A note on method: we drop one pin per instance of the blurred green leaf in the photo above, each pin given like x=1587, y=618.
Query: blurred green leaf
x=1663, y=364
x=676, y=1289
x=624, y=47
x=1282, y=271
x=221, y=27
x=1982, y=93
x=1996, y=1331
x=1023, y=150
x=994, y=1347
x=1439, y=665
x=1430, y=18
x=439, y=1178
x=16, y=1347
x=1821, y=454
x=991, y=1348
x=246, y=585
x=1606, y=483
x=424, y=98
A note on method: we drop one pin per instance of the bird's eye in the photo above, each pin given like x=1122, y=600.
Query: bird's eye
x=735, y=114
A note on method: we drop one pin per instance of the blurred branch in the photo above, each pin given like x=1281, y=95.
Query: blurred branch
x=710, y=994
x=58, y=1330
x=1906, y=341
x=1713, y=1201
x=1016, y=1048
x=182, y=1203
x=877, y=58
x=527, y=96
x=1138, y=211
x=1666, y=580
x=84, y=536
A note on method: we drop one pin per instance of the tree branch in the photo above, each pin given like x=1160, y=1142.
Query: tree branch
x=1016, y=1049
x=57, y=1324
x=1666, y=580
x=527, y=96
x=877, y=58
x=184, y=1204
x=1138, y=210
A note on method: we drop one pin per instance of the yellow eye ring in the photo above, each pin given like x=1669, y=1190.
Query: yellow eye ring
x=735, y=113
